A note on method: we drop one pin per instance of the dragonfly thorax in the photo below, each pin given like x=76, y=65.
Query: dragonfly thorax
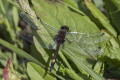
x=62, y=34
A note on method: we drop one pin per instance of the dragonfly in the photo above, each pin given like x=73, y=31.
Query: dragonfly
x=60, y=38
x=86, y=41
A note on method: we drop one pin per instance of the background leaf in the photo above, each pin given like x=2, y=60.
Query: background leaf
x=113, y=8
x=36, y=72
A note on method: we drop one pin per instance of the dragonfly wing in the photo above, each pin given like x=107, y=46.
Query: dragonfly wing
x=89, y=43
x=27, y=35
x=24, y=34
x=91, y=49
x=86, y=50
x=87, y=38
x=52, y=30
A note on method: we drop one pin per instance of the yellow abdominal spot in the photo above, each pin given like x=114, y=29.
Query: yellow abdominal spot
x=53, y=60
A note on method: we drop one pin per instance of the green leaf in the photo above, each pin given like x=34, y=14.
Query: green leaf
x=113, y=8
x=99, y=68
x=57, y=15
x=73, y=75
x=73, y=5
x=113, y=52
x=2, y=7
x=101, y=17
x=98, y=3
x=80, y=65
x=37, y=73
x=15, y=17
x=19, y=52
x=14, y=4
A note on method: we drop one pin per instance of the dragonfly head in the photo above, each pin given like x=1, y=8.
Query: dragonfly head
x=65, y=27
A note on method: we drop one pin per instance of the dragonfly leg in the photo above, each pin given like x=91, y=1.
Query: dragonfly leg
x=68, y=40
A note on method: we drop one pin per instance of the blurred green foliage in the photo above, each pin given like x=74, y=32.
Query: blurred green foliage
x=79, y=15
x=9, y=20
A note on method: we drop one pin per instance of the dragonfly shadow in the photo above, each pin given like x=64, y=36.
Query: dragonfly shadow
x=91, y=61
x=111, y=72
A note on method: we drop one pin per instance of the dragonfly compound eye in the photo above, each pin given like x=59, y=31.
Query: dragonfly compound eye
x=65, y=27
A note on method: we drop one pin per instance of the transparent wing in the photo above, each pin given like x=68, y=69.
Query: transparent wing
x=86, y=38
x=89, y=43
x=26, y=35
x=51, y=29
x=91, y=49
